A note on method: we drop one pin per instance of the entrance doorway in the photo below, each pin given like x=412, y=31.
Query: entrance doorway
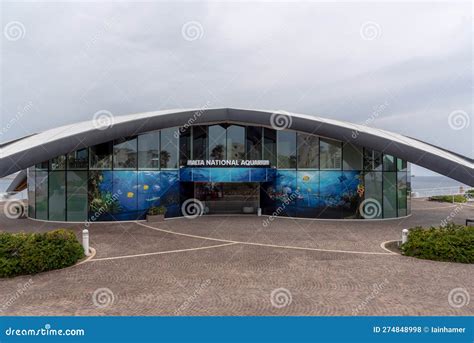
x=228, y=197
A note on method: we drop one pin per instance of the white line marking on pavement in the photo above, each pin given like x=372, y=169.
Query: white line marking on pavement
x=157, y=253
x=268, y=245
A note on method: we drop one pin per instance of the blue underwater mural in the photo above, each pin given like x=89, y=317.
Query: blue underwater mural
x=127, y=195
x=226, y=174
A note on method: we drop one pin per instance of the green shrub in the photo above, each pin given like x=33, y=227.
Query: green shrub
x=156, y=210
x=453, y=243
x=31, y=253
x=448, y=198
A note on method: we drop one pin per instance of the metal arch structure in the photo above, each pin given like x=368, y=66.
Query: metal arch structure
x=28, y=151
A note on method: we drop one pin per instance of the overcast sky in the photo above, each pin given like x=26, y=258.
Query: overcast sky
x=401, y=67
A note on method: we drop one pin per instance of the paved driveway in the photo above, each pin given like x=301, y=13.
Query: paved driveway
x=239, y=266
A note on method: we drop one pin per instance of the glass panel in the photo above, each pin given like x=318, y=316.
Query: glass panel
x=401, y=165
x=58, y=163
x=199, y=142
x=78, y=159
x=235, y=142
x=185, y=146
x=217, y=137
x=389, y=194
x=101, y=156
x=42, y=195
x=169, y=149
x=372, y=160
x=330, y=190
x=57, y=195
x=125, y=153
x=269, y=146
x=42, y=166
x=286, y=149
x=389, y=163
x=254, y=143
x=408, y=188
x=330, y=154
x=149, y=150
x=402, y=193
x=76, y=195
x=308, y=151
x=352, y=157
x=31, y=192
x=373, y=196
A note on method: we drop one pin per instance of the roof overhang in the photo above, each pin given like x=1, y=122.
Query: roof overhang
x=26, y=152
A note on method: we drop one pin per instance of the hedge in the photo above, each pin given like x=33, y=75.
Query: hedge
x=448, y=198
x=452, y=243
x=31, y=253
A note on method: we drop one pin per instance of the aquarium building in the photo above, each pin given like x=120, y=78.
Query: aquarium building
x=228, y=161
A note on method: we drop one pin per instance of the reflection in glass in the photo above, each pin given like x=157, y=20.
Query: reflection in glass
x=76, y=198
x=217, y=142
x=199, y=142
x=402, y=193
x=58, y=163
x=57, y=195
x=169, y=149
x=185, y=146
x=41, y=194
x=373, y=195
x=78, y=160
x=149, y=151
x=125, y=153
x=389, y=163
x=308, y=151
x=101, y=156
x=389, y=194
x=286, y=149
x=269, y=146
x=254, y=143
x=352, y=157
x=31, y=192
x=372, y=160
x=330, y=154
x=235, y=142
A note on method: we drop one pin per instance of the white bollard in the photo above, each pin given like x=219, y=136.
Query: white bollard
x=85, y=241
x=259, y=212
x=404, y=235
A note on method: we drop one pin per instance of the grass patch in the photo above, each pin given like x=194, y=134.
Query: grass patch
x=453, y=243
x=448, y=198
x=31, y=253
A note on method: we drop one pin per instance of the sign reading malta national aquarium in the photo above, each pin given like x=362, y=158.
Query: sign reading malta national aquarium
x=228, y=163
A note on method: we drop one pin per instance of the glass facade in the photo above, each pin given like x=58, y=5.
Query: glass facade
x=309, y=176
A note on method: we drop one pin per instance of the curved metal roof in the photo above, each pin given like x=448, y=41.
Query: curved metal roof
x=25, y=152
